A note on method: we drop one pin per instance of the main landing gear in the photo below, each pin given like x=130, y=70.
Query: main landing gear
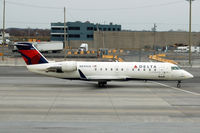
x=179, y=84
x=102, y=83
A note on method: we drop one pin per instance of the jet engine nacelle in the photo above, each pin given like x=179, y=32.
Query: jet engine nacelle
x=69, y=66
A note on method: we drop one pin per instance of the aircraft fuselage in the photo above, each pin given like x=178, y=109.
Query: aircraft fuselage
x=111, y=70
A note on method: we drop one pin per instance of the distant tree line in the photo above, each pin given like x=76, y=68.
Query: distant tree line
x=23, y=34
x=28, y=32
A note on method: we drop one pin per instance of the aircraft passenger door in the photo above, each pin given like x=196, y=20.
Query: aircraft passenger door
x=162, y=72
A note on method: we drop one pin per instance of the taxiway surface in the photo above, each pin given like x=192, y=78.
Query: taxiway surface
x=33, y=103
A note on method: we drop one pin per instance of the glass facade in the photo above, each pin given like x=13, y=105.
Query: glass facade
x=79, y=30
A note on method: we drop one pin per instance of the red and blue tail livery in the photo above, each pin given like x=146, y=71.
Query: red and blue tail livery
x=30, y=54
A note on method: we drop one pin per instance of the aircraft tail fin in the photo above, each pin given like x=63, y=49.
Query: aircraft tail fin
x=30, y=54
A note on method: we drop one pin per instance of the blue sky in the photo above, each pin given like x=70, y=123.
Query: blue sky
x=131, y=14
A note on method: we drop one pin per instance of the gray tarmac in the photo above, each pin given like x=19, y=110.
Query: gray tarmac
x=31, y=103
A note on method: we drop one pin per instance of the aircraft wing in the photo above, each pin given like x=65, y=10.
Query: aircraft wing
x=100, y=77
x=106, y=77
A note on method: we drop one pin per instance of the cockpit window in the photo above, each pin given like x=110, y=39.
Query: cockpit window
x=175, y=68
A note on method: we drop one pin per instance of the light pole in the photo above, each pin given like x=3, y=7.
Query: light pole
x=3, y=31
x=65, y=33
x=154, y=40
x=190, y=28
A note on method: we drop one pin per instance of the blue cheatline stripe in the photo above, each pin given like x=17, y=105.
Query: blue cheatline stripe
x=42, y=59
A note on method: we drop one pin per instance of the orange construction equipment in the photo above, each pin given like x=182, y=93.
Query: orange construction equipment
x=113, y=57
x=157, y=58
x=69, y=52
x=114, y=50
x=81, y=52
x=108, y=56
x=32, y=40
x=120, y=59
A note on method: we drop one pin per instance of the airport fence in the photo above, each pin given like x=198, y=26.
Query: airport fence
x=127, y=55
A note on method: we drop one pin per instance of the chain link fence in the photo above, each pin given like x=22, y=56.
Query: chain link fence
x=128, y=55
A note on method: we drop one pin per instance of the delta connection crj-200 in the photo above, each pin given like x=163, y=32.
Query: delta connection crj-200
x=102, y=72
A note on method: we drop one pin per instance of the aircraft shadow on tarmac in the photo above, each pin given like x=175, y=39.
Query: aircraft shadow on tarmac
x=110, y=85
x=89, y=85
x=94, y=86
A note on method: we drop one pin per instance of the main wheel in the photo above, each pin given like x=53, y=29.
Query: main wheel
x=99, y=84
x=102, y=83
x=178, y=85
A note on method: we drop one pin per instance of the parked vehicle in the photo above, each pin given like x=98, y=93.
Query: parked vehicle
x=83, y=47
x=185, y=49
x=53, y=47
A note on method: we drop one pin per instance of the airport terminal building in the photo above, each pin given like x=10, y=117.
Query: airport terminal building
x=79, y=30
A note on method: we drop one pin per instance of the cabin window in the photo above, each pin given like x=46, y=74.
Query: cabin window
x=111, y=69
x=143, y=69
x=106, y=69
x=149, y=69
x=116, y=69
x=175, y=68
x=101, y=69
x=95, y=69
x=155, y=70
x=132, y=69
x=122, y=69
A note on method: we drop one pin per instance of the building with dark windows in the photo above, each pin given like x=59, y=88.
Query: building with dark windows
x=79, y=30
x=113, y=37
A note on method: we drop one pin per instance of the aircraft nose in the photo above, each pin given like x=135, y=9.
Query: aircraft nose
x=188, y=75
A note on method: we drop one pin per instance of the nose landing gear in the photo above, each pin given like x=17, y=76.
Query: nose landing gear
x=179, y=84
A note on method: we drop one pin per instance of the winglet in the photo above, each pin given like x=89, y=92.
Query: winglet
x=81, y=74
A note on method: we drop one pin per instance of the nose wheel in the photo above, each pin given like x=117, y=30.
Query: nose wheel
x=179, y=84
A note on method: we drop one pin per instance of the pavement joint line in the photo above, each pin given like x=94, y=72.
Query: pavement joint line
x=52, y=104
x=193, y=93
x=113, y=106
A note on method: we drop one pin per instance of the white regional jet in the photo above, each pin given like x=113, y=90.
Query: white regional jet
x=102, y=72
